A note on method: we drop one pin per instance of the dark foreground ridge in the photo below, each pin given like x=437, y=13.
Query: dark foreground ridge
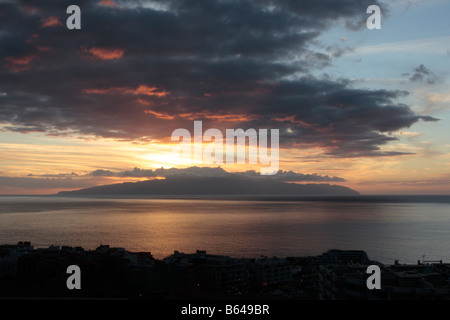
x=107, y=272
x=212, y=186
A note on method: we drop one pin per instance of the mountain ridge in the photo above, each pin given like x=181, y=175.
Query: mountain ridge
x=212, y=186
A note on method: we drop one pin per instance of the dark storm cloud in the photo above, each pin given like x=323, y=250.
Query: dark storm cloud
x=140, y=69
x=338, y=51
x=423, y=74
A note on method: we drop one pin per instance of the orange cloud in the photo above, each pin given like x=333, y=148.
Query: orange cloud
x=143, y=102
x=219, y=117
x=149, y=91
x=104, y=53
x=17, y=64
x=292, y=120
x=141, y=90
x=160, y=115
x=50, y=22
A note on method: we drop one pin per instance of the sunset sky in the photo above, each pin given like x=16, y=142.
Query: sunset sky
x=368, y=109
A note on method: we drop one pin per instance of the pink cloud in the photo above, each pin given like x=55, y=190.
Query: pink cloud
x=17, y=64
x=50, y=22
x=104, y=53
x=141, y=90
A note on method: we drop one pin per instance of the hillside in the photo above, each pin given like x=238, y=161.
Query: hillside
x=212, y=186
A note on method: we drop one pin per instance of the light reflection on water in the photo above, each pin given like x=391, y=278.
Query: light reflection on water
x=241, y=228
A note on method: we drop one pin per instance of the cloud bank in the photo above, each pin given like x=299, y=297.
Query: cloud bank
x=205, y=172
x=137, y=70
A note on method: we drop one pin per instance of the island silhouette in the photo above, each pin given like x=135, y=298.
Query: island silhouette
x=220, y=183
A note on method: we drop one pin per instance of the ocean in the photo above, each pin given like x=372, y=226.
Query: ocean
x=388, y=228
